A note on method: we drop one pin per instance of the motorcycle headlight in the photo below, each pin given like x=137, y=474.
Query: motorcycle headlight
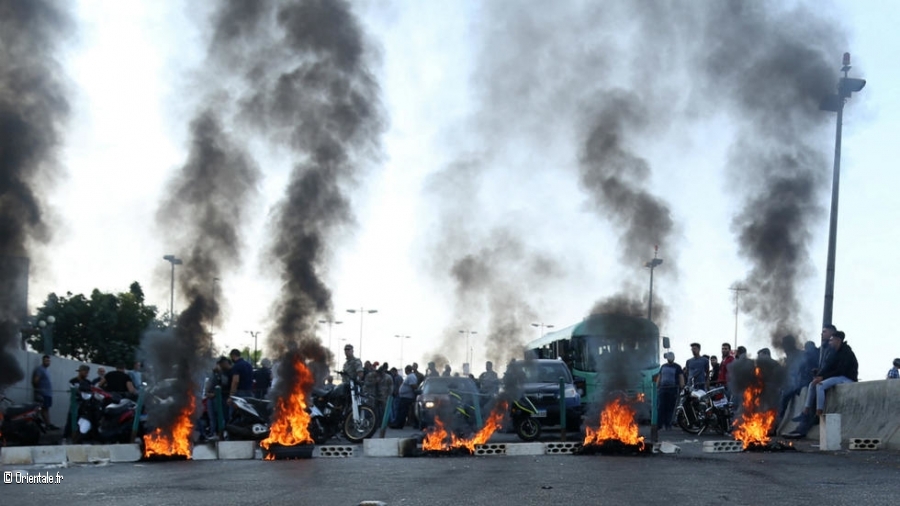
x=86, y=396
x=429, y=404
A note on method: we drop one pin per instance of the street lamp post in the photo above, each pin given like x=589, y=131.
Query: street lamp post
x=835, y=103
x=402, y=338
x=361, y=312
x=174, y=261
x=330, y=322
x=468, y=333
x=542, y=326
x=652, y=264
x=47, y=333
x=254, y=334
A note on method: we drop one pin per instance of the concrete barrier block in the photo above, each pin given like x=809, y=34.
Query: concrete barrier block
x=381, y=447
x=407, y=447
x=84, y=454
x=125, y=453
x=726, y=446
x=491, y=449
x=518, y=449
x=204, y=451
x=562, y=448
x=335, y=451
x=830, y=432
x=235, y=450
x=666, y=447
x=16, y=455
x=48, y=454
x=864, y=443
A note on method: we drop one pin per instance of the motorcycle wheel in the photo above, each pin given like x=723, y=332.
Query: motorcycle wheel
x=685, y=425
x=528, y=429
x=356, y=432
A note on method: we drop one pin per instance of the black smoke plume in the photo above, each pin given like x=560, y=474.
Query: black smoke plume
x=205, y=205
x=33, y=109
x=325, y=103
x=771, y=74
x=616, y=177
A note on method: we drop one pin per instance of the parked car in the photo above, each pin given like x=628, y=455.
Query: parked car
x=451, y=399
x=538, y=380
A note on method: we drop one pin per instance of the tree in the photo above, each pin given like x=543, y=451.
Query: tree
x=105, y=328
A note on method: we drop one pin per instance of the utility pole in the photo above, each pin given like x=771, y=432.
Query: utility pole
x=652, y=264
x=737, y=289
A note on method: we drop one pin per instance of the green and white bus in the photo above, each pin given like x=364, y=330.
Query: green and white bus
x=608, y=354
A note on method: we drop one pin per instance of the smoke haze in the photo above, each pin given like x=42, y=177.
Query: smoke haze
x=33, y=110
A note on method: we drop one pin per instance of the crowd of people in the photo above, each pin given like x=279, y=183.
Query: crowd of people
x=388, y=386
x=814, y=367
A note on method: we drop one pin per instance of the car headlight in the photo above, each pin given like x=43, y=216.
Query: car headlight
x=571, y=392
x=429, y=404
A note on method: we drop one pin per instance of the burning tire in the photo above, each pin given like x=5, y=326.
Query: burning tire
x=528, y=429
x=356, y=432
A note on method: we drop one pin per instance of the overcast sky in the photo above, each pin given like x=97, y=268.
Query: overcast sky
x=487, y=106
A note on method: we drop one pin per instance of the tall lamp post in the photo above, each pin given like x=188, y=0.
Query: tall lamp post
x=330, y=322
x=542, y=326
x=47, y=333
x=361, y=312
x=468, y=333
x=835, y=103
x=402, y=338
x=254, y=334
x=652, y=264
x=174, y=261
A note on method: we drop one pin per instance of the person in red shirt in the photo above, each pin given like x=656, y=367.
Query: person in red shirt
x=727, y=358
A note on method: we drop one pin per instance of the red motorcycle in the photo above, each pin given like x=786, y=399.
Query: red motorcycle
x=20, y=423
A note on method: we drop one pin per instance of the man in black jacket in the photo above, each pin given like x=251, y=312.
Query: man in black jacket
x=841, y=367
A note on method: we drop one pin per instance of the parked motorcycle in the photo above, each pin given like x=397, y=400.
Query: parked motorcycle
x=20, y=423
x=342, y=409
x=699, y=410
x=523, y=414
x=104, y=417
x=250, y=418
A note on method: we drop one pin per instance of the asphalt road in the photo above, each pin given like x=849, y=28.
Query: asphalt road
x=801, y=477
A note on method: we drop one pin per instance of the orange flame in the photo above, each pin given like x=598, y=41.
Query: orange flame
x=439, y=439
x=177, y=441
x=755, y=423
x=290, y=421
x=616, y=422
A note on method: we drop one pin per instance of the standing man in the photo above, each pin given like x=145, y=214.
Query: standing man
x=713, y=369
x=407, y=397
x=727, y=359
x=697, y=369
x=119, y=382
x=353, y=366
x=262, y=379
x=98, y=381
x=669, y=382
x=43, y=390
x=241, y=375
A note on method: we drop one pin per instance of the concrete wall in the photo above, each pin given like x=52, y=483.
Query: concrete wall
x=61, y=371
x=868, y=409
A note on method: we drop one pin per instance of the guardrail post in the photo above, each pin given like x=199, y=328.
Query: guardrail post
x=138, y=411
x=73, y=412
x=654, y=416
x=389, y=405
x=562, y=408
x=219, y=408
